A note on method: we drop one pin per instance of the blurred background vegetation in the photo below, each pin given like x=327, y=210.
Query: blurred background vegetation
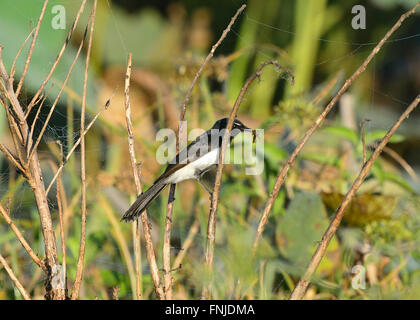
x=169, y=40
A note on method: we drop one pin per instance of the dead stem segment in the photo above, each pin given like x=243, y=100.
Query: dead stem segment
x=82, y=248
x=31, y=49
x=77, y=143
x=303, y=283
x=33, y=174
x=22, y=240
x=15, y=280
x=57, y=60
x=136, y=174
x=144, y=219
x=290, y=162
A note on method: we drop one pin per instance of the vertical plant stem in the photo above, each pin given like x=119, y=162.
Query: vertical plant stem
x=61, y=220
x=144, y=219
x=31, y=49
x=82, y=248
x=122, y=243
x=166, y=256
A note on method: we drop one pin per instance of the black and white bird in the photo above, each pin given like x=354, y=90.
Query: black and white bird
x=191, y=162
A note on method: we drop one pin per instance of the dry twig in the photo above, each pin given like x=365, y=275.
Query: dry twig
x=57, y=59
x=32, y=171
x=31, y=149
x=363, y=136
x=14, y=279
x=77, y=143
x=145, y=221
x=21, y=239
x=31, y=49
x=82, y=248
x=61, y=219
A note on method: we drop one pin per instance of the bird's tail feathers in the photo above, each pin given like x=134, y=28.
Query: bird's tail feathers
x=144, y=200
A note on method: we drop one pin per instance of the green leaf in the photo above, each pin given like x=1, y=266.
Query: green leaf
x=301, y=228
x=398, y=180
x=321, y=158
x=378, y=135
x=343, y=132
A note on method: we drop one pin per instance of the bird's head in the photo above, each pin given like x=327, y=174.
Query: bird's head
x=222, y=124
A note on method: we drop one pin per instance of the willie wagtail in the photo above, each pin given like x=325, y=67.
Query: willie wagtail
x=191, y=162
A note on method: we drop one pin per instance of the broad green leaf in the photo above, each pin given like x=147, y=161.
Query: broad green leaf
x=398, y=180
x=299, y=230
x=378, y=135
x=343, y=132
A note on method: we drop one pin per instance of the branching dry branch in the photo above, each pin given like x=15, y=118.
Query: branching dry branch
x=31, y=149
x=32, y=172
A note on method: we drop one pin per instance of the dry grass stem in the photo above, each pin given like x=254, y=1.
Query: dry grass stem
x=77, y=143
x=31, y=49
x=22, y=240
x=195, y=227
x=51, y=111
x=136, y=175
x=363, y=136
x=61, y=219
x=15, y=280
x=82, y=248
x=57, y=60
x=145, y=221
x=401, y=161
x=13, y=68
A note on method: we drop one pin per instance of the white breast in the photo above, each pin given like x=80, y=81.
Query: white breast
x=190, y=170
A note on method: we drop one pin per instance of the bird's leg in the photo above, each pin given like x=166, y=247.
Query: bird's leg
x=204, y=186
x=200, y=176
